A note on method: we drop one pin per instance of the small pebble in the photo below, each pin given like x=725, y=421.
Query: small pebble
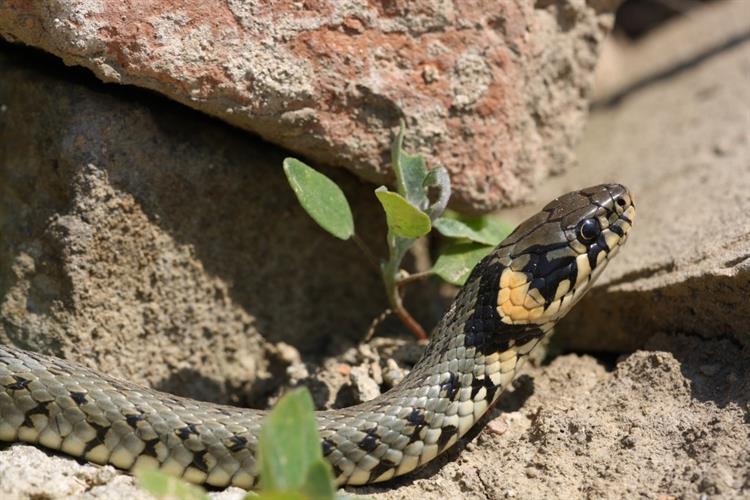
x=392, y=374
x=497, y=426
x=364, y=384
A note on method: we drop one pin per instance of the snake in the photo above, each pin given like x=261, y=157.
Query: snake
x=509, y=303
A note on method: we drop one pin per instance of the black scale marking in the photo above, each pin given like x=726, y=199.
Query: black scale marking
x=451, y=386
x=19, y=384
x=446, y=433
x=39, y=409
x=78, y=397
x=238, y=443
x=184, y=433
x=199, y=461
x=370, y=441
x=101, y=434
x=133, y=420
x=328, y=446
x=382, y=467
x=150, y=448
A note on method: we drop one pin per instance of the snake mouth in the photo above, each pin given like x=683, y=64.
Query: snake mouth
x=541, y=283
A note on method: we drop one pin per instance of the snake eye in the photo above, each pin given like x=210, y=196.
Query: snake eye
x=587, y=230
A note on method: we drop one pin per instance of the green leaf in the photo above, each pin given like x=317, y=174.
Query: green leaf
x=289, y=443
x=321, y=198
x=458, y=259
x=319, y=482
x=487, y=229
x=403, y=218
x=410, y=172
x=163, y=486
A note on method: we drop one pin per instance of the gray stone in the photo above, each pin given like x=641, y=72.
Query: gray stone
x=162, y=246
x=682, y=144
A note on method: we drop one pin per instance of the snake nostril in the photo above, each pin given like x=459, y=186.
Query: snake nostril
x=621, y=201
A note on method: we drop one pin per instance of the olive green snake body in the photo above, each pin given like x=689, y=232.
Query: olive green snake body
x=510, y=302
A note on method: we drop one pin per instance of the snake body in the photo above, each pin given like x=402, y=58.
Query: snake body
x=510, y=302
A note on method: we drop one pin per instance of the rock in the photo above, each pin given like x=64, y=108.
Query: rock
x=495, y=92
x=687, y=264
x=393, y=374
x=161, y=246
x=28, y=472
x=365, y=386
x=625, y=67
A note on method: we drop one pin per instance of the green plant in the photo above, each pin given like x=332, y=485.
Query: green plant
x=416, y=207
x=289, y=459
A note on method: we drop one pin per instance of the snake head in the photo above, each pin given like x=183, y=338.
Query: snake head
x=551, y=259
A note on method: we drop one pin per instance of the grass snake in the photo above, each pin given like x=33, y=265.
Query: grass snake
x=510, y=302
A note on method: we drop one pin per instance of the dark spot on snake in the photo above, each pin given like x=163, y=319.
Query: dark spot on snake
x=237, y=443
x=199, y=461
x=336, y=471
x=593, y=253
x=486, y=382
x=224, y=412
x=185, y=432
x=620, y=201
x=382, y=467
x=451, y=386
x=548, y=274
x=101, y=434
x=19, y=384
x=416, y=434
x=617, y=230
x=602, y=243
x=150, y=448
x=370, y=441
x=328, y=446
x=78, y=397
x=39, y=409
x=446, y=433
x=416, y=417
x=133, y=420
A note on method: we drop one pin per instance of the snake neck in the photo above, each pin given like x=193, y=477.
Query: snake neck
x=471, y=358
x=472, y=328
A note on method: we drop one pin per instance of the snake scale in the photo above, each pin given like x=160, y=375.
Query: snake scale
x=510, y=302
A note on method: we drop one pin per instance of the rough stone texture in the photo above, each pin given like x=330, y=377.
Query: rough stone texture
x=682, y=144
x=687, y=40
x=157, y=244
x=494, y=91
x=661, y=425
x=56, y=477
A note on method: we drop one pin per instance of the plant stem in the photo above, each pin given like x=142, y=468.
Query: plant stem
x=376, y=323
x=390, y=271
x=414, y=277
x=410, y=322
